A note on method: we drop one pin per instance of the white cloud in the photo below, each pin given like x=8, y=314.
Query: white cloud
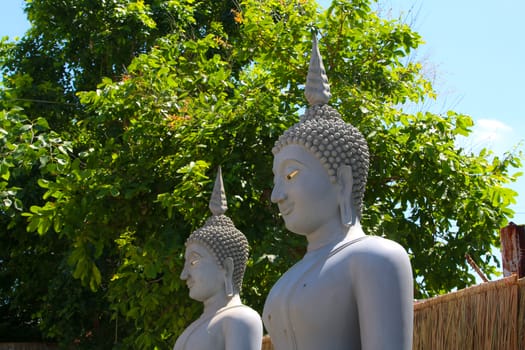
x=491, y=134
x=489, y=130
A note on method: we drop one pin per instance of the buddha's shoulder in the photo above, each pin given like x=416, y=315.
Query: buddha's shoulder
x=370, y=249
x=380, y=244
x=239, y=314
x=239, y=321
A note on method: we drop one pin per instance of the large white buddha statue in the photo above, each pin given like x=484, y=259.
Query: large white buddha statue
x=350, y=290
x=215, y=261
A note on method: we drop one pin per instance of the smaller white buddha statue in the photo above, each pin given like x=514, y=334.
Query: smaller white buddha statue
x=215, y=261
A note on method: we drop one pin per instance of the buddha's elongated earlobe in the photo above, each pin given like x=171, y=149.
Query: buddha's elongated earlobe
x=346, y=181
x=228, y=276
x=228, y=286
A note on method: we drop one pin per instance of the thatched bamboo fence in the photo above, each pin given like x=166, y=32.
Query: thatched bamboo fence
x=266, y=343
x=521, y=313
x=486, y=316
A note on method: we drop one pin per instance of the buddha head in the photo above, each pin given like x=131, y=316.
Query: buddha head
x=217, y=251
x=338, y=146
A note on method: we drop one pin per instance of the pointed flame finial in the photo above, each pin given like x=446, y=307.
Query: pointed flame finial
x=218, y=204
x=317, y=90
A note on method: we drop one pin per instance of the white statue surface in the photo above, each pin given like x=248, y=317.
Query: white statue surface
x=215, y=261
x=350, y=290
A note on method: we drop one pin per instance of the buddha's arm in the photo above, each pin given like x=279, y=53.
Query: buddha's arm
x=383, y=288
x=243, y=330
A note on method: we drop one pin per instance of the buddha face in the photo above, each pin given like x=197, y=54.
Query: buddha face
x=203, y=275
x=307, y=199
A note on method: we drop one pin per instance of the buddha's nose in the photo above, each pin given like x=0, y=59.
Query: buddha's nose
x=184, y=274
x=278, y=194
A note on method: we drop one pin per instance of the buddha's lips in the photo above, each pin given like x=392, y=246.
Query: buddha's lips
x=285, y=210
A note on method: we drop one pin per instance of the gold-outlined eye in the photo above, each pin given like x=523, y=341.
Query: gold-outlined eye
x=292, y=174
x=194, y=262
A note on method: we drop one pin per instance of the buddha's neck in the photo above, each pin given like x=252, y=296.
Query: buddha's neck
x=219, y=301
x=330, y=235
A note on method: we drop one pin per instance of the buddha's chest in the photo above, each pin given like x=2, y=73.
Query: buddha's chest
x=201, y=336
x=310, y=299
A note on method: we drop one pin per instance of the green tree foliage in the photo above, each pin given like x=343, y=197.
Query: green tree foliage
x=116, y=116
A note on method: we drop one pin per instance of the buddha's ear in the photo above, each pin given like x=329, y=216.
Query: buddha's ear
x=228, y=276
x=345, y=181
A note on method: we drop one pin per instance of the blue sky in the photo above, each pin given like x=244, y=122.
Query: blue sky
x=476, y=50
x=474, y=54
